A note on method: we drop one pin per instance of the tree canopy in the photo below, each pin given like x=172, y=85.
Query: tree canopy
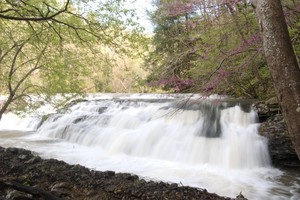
x=48, y=46
x=211, y=46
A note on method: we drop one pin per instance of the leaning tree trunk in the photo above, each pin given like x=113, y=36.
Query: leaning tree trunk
x=4, y=107
x=282, y=63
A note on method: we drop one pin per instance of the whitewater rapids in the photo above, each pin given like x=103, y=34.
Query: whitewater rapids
x=203, y=142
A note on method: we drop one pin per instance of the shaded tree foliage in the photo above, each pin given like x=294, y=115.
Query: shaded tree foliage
x=213, y=45
x=174, y=47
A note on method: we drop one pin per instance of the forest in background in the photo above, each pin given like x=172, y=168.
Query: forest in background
x=73, y=46
x=213, y=46
x=67, y=47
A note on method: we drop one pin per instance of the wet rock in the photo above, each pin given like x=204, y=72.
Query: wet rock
x=280, y=146
x=33, y=160
x=13, y=150
x=101, y=110
x=74, y=102
x=240, y=197
x=80, y=119
x=17, y=195
x=274, y=129
x=109, y=174
x=61, y=189
x=22, y=157
x=64, y=181
x=267, y=109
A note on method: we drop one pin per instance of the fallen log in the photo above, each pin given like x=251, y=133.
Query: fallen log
x=35, y=192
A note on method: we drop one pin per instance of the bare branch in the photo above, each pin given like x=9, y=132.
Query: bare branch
x=12, y=68
x=7, y=52
x=36, y=67
x=221, y=63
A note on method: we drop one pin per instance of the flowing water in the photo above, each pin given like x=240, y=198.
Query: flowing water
x=209, y=143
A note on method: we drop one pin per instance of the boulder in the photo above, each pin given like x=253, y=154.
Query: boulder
x=266, y=109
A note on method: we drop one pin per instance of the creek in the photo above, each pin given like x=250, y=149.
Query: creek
x=205, y=142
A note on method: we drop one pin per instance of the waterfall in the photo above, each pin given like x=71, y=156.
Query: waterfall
x=210, y=142
x=191, y=132
x=14, y=122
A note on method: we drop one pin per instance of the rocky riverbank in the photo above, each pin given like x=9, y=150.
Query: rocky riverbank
x=24, y=175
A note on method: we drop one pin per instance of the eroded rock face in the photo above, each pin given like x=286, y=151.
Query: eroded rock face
x=53, y=179
x=274, y=128
x=280, y=146
x=267, y=109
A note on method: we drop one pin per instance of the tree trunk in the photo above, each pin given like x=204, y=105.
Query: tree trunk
x=282, y=63
x=4, y=106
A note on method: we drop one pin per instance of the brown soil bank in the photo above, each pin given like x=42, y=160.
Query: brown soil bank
x=24, y=175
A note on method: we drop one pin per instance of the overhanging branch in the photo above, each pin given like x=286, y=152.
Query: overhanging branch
x=37, y=18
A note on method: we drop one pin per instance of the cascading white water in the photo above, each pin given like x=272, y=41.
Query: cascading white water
x=163, y=131
x=13, y=122
x=201, y=143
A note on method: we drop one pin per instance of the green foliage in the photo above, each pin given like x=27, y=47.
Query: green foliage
x=292, y=10
x=49, y=46
x=217, y=45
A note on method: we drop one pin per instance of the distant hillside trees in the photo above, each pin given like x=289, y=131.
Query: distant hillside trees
x=48, y=46
x=211, y=47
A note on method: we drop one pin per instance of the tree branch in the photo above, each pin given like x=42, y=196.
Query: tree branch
x=224, y=59
x=40, y=18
